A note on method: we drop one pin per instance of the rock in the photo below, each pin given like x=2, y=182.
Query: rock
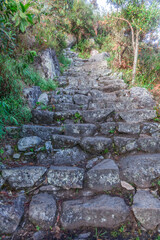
x=23, y=177
x=32, y=94
x=149, y=144
x=150, y=128
x=108, y=128
x=127, y=186
x=81, y=99
x=66, y=177
x=48, y=146
x=71, y=40
x=138, y=115
x=44, y=159
x=140, y=169
x=11, y=214
x=83, y=236
x=2, y=181
x=28, y=142
x=44, y=132
x=96, y=144
x=146, y=209
x=92, y=116
x=60, y=141
x=104, y=176
x=9, y=150
x=124, y=144
x=102, y=211
x=99, y=57
x=42, y=210
x=129, y=128
x=47, y=64
x=142, y=96
x=40, y=235
x=16, y=156
x=84, y=130
x=70, y=156
x=43, y=98
x=42, y=117
x=114, y=87
x=94, y=161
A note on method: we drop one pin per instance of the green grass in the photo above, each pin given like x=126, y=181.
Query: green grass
x=16, y=75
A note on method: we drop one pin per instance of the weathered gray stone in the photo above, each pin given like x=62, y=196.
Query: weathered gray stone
x=142, y=96
x=92, y=116
x=138, y=115
x=9, y=150
x=96, y=144
x=32, y=94
x=44, y=132
x=108, y=128
x=124, y=144
x=66, y=177
x=40, y=235
x=102, y=211
x=94, y=161
x=81, y=99
x=60, y=141
x=11, y=215
x=42, y=117
x=146, y=209
x=43, y=98
x=99, y=57
x=70, y=40
x=28, y=142
x=42, y=210
x=149, y=144
x=16, y=155
x=80, y=129
x=48, y=146
x=114, y=87
x=129, y=128
x=150, y=128
x=47, y=64
x=104, y=176
x=2, y=181
x=140, y=169
x=23, y=177
x=70, y=156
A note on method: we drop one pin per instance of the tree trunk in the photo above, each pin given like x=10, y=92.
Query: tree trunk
x=135, y=57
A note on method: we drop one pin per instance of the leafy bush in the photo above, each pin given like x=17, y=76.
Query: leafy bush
x=15, y=75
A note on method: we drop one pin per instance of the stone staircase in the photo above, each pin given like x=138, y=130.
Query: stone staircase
x=91, y=156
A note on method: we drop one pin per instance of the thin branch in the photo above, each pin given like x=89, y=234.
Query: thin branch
x=132, y=30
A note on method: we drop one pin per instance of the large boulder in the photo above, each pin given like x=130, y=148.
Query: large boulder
x=104, y=176
x=47, y=64
x=42, y=210
x=146, y=208
x=28, y=142
x=140, y=169
x=32, y=94
x=11, y=214
x=102, y=211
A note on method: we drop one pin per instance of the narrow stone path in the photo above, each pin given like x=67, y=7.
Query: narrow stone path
x=95, y=151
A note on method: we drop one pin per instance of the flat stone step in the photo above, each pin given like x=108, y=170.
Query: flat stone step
x=44, y=132
x=114, y=87
x=61, y=141
x=102, y=211
x=78, y=130
x=96, y=145
x=139, y=115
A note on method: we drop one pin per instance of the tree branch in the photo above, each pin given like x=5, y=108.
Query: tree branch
x=132, y=30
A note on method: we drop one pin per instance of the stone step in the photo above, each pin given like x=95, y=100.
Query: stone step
x=80, y=130
x=139, y=115
x=102, y=211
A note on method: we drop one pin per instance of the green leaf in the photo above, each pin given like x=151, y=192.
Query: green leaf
x=22, y=7
x=22, y=15
x=26, y=6
x=29, y=18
